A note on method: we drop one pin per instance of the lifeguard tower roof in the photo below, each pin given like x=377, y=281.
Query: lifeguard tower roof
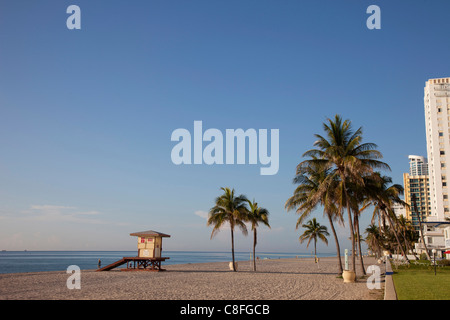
x=149, y=233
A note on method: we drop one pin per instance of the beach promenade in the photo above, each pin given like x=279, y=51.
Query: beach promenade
x=277, y=279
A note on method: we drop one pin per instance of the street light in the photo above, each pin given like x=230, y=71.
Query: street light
x=434, y=258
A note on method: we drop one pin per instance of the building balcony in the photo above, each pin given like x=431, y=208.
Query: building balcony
x=420, y=246
x=433, y=233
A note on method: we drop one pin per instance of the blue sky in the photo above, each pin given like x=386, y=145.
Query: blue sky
x=86, y=115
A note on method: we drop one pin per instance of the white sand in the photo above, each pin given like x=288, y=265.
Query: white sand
x=278, y=279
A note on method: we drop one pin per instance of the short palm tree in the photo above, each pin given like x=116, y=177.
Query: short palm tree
x=228, y=209
x=383, y=196
x=374, y=239
x=314, y=231
x=255, y=215
x=310, y=193
x=407, y=231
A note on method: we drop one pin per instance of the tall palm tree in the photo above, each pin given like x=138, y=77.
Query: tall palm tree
x=361, y=200
x=314, y=231
x=350, y=159
x=255, y=215
x=305, y=198
x=228, y=209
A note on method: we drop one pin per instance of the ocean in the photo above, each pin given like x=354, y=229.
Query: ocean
x=37, y=261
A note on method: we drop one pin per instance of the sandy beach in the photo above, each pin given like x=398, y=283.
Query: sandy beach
x=275, y=279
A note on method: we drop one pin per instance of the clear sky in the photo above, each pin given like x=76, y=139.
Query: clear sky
x=86, y=116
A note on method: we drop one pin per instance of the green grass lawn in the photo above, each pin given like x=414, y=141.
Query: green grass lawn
x=420, y=283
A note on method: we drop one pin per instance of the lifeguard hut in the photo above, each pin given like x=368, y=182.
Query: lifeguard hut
x=148, y=256
x=149, y=243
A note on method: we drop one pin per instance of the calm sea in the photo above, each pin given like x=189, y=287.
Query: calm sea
x=36, y=261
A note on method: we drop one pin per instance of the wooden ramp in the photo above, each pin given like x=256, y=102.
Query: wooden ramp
x=113, y=265
x=137, y=263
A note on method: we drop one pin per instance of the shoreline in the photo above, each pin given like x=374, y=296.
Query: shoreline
x=174, y=260
x=275, y=279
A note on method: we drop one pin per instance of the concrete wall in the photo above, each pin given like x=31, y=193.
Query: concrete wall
x=389, y=288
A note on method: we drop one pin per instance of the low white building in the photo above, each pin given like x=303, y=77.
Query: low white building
x=437, y=236
x=445, y=227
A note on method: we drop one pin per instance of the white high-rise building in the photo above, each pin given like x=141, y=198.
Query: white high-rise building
x=418, y=166
x=437, y=123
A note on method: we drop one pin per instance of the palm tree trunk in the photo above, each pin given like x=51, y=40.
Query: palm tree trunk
x=232, y=248
x=254, y=247
x=358, y=239
x=391, y=223
x=350, y=221
x=423, y=240
x=420, y=226
x=352, y=237
x=421, y=237
x=315, y=251
x=338, y=250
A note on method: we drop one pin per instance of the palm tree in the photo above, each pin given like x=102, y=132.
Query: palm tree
x=383, y=198
x=313, y=231
x=228, y=209
x=305, y=198
x=350, y=159
x=406, y=229
x=390, y=242
x=374, y=239
x=255, y=215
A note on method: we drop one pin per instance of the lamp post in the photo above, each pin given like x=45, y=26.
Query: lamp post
x=434, y=258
